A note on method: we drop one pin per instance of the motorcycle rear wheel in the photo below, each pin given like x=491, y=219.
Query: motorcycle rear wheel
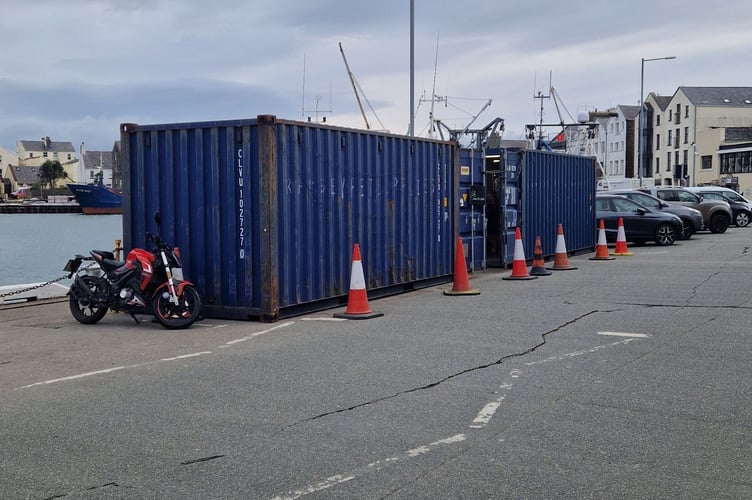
x=83, y=310
x=182, y=315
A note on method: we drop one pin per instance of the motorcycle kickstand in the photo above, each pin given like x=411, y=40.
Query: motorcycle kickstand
x=138, y=321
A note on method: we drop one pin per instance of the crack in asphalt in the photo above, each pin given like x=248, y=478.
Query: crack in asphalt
x=449, y=377
x=198, y=460
x=91, y=488
x=686, y=306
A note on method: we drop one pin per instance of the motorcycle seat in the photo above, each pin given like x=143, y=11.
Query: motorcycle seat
x=107, y=260
x=104, y=254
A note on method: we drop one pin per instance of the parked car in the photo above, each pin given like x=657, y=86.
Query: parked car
x=740, y=206
x=716, y=215
x=641, y=224
x=691, y=217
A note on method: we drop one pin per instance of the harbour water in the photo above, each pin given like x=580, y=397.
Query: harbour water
x=35, y=247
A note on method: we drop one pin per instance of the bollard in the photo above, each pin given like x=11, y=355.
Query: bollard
x=118, y=248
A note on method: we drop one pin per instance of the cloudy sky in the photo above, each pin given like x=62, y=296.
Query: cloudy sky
x=75, y=70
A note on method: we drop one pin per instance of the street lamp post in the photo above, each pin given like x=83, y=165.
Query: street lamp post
x=639, y=116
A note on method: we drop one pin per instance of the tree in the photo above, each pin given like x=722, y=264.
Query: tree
x=50, y=172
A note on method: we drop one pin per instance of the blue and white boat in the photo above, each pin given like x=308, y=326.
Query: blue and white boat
x=97, y=199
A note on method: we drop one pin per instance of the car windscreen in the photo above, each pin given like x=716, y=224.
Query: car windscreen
x=687, y=196
x=626, y=205
x=645, y=201
x=734, y=197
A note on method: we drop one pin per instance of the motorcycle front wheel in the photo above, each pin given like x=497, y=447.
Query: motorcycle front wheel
x=177, y=316
x=82, y=308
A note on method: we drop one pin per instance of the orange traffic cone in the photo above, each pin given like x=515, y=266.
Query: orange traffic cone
x=621, y=241
x=461, y=279
x=538, y=268
x=601, y=250
x=561, y=261
x=519, y=267
x=357, y=300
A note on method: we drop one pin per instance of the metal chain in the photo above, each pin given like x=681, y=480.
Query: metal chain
x=40, y=285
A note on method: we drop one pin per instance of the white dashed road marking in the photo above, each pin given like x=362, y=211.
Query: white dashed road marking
x=373, y=466
x=174, y=358
x=489, y=410
x=623, y=334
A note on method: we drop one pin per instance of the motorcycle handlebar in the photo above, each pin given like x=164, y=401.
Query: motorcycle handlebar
x=156, y=240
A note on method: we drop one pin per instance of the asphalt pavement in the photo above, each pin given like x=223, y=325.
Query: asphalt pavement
x=627, y=378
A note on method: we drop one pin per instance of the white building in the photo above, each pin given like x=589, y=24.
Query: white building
x=96, y=166
x=35, y=153
x=615, y=143
x=701, y=135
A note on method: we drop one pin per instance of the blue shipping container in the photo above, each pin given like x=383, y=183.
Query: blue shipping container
x=536, y=191
x=266, y=211
x=555, y=189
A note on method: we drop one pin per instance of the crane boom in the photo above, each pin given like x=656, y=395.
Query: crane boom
x=355, y=89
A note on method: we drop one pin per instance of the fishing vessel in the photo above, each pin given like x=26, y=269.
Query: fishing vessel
x=97, y=199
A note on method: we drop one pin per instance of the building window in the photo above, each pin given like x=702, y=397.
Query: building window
x=657, y=142
x=668, y=162
x=657, y=120
x=44, y=154
x=686, y=111
x=669, y=116
x=69, y=156
x=676, y=138
x=678, y=113
x=736, y=163
x=622, y=146
x=657, y=164
x=668, y=143
x=706, y=162
x=686, y=135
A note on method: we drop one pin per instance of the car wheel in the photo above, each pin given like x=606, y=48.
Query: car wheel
x=665, y=235
x=688, y=229
x=742, y=219
x=719, y=223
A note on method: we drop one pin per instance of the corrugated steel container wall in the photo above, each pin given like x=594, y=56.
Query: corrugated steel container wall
x=557, y=189
x=266, y=211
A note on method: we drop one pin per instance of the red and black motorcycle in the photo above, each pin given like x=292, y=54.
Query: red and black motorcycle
x=148, y=282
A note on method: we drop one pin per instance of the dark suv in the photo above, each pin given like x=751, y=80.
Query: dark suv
x=739, y=205
x=716, y=215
